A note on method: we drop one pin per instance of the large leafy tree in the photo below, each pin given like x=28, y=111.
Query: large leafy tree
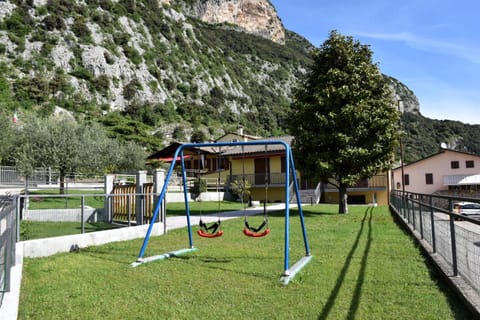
x=7, y=136
x=343, y=116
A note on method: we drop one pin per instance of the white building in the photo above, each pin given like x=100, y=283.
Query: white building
x=445, y=170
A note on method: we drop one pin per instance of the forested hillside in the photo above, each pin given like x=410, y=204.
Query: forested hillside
x=424, y=136
x=144, y=69
x=151, y=71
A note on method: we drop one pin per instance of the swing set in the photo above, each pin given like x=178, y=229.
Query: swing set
x=214, y=230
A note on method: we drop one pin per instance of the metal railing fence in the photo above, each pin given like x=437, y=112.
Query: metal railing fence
x=8, y=240
x=10, y=176
x=452, y=236
x=44, y=215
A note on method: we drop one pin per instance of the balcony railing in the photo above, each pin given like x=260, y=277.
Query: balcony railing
x=260, y=179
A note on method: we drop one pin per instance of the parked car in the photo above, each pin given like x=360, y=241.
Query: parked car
x=467, y=208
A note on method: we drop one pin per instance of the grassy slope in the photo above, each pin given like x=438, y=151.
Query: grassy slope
x=364, y=267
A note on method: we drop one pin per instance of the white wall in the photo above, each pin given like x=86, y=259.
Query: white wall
x=439, y=165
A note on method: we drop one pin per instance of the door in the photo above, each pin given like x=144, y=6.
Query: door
x=262, y=170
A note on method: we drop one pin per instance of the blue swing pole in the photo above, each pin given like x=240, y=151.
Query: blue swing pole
x=140, y=259
x=187, y=206
x=287, y=212
x=299, y=204
x=288, y=273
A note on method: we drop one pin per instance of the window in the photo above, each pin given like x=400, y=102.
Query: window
x=470, y=164
x=454, y=164
x=406, y=179
x=429, y=178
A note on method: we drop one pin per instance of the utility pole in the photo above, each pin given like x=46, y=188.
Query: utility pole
x=401, y=147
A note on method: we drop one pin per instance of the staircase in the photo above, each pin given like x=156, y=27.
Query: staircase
x=306, y=196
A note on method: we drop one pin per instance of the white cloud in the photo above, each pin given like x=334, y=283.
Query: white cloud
x=461, y=51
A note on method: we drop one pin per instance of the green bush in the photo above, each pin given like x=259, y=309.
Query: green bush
x=81, y=30
x=199, y=186
x=132, y=54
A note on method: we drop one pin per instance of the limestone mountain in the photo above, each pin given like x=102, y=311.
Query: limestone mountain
x=253, y=16
x=153, y=71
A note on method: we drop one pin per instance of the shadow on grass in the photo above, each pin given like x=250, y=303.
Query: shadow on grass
x=98, y=226
x=308, y=211
x=341, y=278
x=217, y=263
x=295, y=213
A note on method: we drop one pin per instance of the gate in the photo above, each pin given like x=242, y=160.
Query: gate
x=126, y=201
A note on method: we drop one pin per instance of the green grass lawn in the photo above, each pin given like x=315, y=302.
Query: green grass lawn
x=39, y=199
x=203, y=207
x=30, y=230
x=364, y=267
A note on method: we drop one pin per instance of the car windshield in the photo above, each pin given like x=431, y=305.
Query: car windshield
x=470, y=206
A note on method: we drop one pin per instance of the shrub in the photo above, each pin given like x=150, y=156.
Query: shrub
x=81, y=30
x=199, y=186
x=132, y=54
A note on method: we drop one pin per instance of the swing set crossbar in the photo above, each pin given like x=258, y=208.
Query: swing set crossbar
x=289, y=273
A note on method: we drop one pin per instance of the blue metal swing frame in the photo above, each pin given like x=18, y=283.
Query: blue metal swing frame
x=289, y=272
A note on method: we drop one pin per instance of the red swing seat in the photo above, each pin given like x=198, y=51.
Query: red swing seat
x=249, y=233
x=255, y=232
x=204, y=234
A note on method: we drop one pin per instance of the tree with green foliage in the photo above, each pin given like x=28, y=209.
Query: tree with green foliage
x=343, y=119
x=71, y=147
x=7, y=137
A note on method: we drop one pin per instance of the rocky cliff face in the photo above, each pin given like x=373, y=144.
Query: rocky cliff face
x=254, y=16
x=407, y=100
x=152, y=62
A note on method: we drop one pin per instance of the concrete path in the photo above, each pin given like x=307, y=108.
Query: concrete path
x=181, y=221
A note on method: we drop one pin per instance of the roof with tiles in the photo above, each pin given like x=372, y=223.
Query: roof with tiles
x=240, y=150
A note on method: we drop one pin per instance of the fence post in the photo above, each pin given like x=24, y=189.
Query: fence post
x=432, y=221
x=413, y=211
x=407, y=208
x=452, y=239
x=139, y=203
x=108, y=189
x=420, y=202
x=18, y=211
x=129, y=211
x=158, y=182
x=83, y=213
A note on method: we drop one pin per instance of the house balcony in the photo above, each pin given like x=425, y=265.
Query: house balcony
x=260, y=179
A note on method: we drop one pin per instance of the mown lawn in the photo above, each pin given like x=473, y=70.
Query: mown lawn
x=30, y=230
x=51, y=199
x=364, y=267
x=203, y=207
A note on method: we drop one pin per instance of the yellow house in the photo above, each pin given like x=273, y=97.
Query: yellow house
x=264, y=168
x=365, y=191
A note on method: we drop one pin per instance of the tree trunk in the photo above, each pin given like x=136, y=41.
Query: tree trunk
x=342, y=203
x=62, y=182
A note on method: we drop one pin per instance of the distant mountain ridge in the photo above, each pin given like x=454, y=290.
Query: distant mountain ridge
x=156, y=71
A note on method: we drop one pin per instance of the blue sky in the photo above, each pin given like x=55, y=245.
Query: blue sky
x=432, y=46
